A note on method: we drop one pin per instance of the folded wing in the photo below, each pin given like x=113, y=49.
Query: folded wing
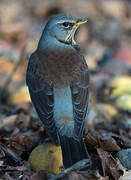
x=80, y=100
x=42, y=97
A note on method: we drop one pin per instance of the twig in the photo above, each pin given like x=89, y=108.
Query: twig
x=10, y=168
x=85, y=163
x=10, y=154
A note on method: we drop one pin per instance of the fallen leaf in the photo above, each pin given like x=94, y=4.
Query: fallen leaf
x=107, y=143
x=46, y=157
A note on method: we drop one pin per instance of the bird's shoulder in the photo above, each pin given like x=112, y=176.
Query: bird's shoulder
x=33, y=73
x=36, y=65
x=32, y=63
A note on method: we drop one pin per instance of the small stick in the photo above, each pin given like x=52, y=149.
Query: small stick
x=10, y=154
x=77, y=166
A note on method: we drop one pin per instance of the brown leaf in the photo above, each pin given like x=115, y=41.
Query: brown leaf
x=91, y=138
x=122, y=141
x=103, y=155
x=109, y=164
x=22, y=142
x=114, y=170
x=108, y=143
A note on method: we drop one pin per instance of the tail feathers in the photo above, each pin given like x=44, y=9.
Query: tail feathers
x=72, y=150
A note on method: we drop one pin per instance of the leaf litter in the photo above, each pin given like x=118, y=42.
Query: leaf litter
x=105, y=42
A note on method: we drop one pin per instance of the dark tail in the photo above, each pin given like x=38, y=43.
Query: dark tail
x=72, y=150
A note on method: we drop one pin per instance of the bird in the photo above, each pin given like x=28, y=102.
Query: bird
x=58, y=81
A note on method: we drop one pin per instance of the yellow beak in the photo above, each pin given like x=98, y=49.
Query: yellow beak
x=81, y=22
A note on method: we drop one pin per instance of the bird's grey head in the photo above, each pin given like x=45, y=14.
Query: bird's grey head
x=62, y=28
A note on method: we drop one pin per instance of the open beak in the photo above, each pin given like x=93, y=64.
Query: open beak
x=81, y=21
x=70, y=36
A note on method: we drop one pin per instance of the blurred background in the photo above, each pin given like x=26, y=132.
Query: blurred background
x=106, y=44
x=105, y=40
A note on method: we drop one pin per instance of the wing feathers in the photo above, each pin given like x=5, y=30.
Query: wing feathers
x=42, y=97
x=80, y=100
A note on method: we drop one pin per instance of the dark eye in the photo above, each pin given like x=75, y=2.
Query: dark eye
x=67, y=24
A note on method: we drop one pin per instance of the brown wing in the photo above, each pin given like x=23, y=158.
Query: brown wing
x=80, y=100
x=42, y=96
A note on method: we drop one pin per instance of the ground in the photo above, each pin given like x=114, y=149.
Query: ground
x=106, y=44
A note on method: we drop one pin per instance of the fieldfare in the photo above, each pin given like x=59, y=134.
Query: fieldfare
x=58, y=81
